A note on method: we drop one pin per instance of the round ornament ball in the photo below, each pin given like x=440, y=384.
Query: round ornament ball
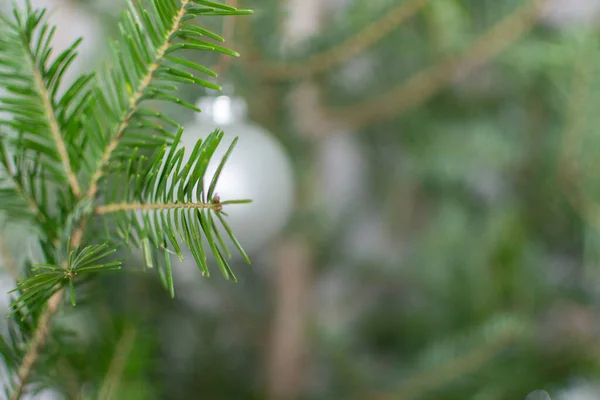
x=561, y=14
x=258, y=169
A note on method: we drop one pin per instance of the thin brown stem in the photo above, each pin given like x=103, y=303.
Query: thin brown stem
x=134, y=102
x=8, y=260
x=55, y=129
x=37, y=343
x=113, y=208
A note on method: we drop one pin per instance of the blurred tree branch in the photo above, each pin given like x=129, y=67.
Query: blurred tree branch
x=421, y=86
x=117, y=364
x=569, y=173
x=425, y=84
x=467, y=363
x=353, y=46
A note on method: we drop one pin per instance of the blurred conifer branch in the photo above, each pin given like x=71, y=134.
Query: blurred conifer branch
x=76, y=140
x=569, y=172
x=426, y=83
x=421, y=86
x=117, y=364
x=448, y=361
x=353, y=46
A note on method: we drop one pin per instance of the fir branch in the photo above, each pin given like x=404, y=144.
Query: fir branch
x=40, y=120
x=54, y=279
x=112, y=113
x=35, y=346
x=135, y=99
x=42, y=330
x=49, y=278
x=158, y=203
x=146, y=71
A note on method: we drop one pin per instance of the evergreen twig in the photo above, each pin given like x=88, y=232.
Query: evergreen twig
x=426, y=83
x=134, y=102
x=35, y=347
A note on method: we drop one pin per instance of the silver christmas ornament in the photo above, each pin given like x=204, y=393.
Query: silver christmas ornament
x=258, y=169
x=563, y=14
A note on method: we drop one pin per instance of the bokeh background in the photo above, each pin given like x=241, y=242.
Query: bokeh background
x=443, y=241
